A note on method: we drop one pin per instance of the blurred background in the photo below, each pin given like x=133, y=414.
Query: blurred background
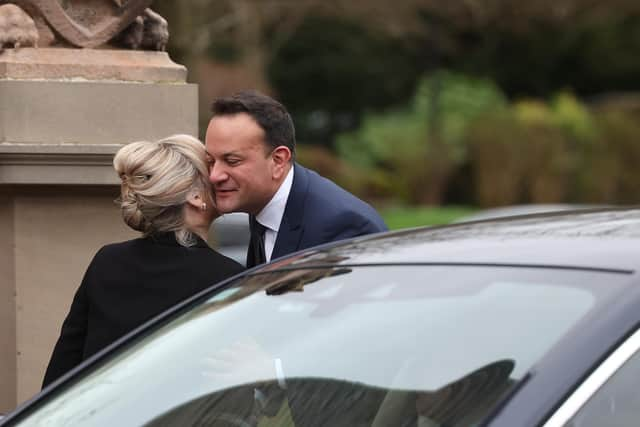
x=433, y=110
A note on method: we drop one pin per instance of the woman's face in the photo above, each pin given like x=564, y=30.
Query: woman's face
x=200, y=208
x=211, y=213
x=208, y=198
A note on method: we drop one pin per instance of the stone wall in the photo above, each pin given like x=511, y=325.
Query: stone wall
x=63, y=114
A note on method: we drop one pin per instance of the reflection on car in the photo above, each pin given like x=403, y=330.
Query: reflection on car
x=528, y=321
x=527, y=209
x=230, y=234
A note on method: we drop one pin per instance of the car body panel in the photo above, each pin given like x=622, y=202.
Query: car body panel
x=527, y=209
x=603, y=239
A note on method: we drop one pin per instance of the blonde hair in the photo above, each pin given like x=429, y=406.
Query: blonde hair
x=157, y=179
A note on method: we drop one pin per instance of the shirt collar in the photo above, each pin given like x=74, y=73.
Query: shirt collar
x=271, y=215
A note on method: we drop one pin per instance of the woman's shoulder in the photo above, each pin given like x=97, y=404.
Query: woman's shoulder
x=216, y=259
x=118, y=246
x=108, y=256
x=117, y=249
x=200, y=258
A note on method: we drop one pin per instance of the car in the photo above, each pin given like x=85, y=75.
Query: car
x=530, y=321
x=527, y=209
x=230, y=235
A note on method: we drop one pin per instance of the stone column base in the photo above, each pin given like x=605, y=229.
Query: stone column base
x=89, y=64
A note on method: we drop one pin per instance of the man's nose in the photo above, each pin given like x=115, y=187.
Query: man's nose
x=217, y=173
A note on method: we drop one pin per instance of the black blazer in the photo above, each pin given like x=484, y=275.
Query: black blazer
x=319, y=211
x=125, y=285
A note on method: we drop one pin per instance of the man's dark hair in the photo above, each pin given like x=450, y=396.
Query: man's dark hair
x=270, y=115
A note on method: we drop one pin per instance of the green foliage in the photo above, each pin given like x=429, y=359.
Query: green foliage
x=556, y=151
x=498, y=157
x=381, y=138
x=529, y=151
x=564, y=112
x=450, y=102
x=541, y=57
x=607, y=54
x=398, y=217
x=331, y=69
x=224, y=51
x=573, y=117
x=416, y=148
x=609, y=170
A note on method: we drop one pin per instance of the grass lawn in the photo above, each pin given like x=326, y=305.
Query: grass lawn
x=406, y=216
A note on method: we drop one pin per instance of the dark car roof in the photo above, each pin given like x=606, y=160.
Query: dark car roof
x=601, y=239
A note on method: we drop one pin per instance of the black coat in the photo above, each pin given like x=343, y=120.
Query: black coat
x=127, y=284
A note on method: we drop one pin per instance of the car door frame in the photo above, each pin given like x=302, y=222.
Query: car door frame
x=562, y=371
x=594, y=382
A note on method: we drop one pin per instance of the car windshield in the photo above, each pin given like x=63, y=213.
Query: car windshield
x=353, y=346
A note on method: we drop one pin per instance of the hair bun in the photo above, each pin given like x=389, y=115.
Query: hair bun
x=157, y=179
x=131, y=212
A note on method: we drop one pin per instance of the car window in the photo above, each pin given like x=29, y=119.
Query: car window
x=371, y=346
x=616, y=403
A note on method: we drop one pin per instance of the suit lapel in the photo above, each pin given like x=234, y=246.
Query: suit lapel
x=291, y=227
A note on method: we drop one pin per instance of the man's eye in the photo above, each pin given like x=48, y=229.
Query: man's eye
x=233, y=161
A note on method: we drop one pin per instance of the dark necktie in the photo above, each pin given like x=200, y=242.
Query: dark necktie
x=256, y=254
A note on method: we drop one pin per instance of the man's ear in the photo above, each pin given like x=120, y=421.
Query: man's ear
x=281, y=158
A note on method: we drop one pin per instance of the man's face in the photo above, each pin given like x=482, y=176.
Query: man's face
x=243, y=174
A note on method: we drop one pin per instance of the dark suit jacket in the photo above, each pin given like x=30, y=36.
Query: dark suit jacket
x=125, y=285
x=318, y=211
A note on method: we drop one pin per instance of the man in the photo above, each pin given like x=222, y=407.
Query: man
x=251, y=146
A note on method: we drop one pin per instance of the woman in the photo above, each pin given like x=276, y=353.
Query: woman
x=165, y=194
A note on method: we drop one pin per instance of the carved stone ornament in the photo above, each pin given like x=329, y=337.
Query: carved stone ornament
x=81, y=23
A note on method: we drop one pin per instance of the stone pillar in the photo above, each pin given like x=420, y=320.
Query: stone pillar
x=63, y=114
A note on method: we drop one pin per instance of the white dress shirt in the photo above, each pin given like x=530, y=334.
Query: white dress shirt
x=271, y=215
